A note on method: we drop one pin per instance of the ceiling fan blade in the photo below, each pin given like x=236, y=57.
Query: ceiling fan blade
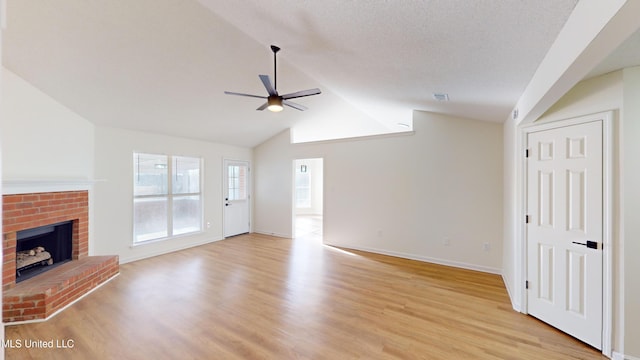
x=241, y=94
x=267, y=85
x=302, y=93
x=294, y=105
x=263, y=106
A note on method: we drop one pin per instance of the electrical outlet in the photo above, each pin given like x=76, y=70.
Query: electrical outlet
x=486, y=246
x=208, y=224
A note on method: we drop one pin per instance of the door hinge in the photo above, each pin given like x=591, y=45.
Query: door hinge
x=526, y=153
x=526, y=284
x=526, y=219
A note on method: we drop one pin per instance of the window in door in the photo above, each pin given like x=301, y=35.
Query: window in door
x=237, y=182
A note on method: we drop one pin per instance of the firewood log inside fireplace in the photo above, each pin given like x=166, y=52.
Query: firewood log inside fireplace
x=35, y=256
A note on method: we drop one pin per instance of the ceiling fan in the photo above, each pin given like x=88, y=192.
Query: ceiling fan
x=274, y=100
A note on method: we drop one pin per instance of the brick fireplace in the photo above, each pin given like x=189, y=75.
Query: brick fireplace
x=42, y=296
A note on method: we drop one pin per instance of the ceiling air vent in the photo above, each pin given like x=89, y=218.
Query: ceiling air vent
x=441, y=97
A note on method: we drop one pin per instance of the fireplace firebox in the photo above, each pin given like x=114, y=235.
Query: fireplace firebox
x=43, y=248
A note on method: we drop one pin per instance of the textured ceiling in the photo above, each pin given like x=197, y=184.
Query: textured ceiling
x=162, y=65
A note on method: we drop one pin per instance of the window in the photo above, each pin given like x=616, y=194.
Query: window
x=303, y=187
x=237, y=182
x=166, y=196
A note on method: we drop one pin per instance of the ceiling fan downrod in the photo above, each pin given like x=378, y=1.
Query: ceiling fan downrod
x=275, y=50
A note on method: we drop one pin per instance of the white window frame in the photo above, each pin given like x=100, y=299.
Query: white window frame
x=304, y=170
x=170, y=196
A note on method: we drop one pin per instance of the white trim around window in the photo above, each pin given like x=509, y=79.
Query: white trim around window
x=167, y=197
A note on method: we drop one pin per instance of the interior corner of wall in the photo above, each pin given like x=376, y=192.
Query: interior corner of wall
x=291, y=134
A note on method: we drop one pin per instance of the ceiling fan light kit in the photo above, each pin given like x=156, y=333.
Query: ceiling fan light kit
x=275, y=101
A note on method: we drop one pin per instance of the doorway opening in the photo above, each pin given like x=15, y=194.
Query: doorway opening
x=308, y=199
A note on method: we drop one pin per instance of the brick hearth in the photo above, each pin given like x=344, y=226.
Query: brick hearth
x=43, y=295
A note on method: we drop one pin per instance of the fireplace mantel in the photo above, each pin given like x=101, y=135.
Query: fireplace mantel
x=28, y=186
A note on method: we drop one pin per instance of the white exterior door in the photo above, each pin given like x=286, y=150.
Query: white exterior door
x=565, y=229
x=236, y=198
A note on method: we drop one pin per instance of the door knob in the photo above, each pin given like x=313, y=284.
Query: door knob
x=590, y=244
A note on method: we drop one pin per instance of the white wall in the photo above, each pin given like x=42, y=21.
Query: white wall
x=2, y=27
x=114, y=196
x=41, y=138
x=590, y=96
x=398, y=194
x=273, y=186
x=630, y=166
x=511, y=272
x=45, y=146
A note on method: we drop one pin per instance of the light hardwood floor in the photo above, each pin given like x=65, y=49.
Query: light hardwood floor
x=261, y=297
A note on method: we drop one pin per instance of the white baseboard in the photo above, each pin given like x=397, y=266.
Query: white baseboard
x=124, y=260
x=457, y=264
x=618, y=356
x=516, y=306
x=263, y=232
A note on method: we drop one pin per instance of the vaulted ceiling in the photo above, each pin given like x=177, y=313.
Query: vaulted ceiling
x=163, y=65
